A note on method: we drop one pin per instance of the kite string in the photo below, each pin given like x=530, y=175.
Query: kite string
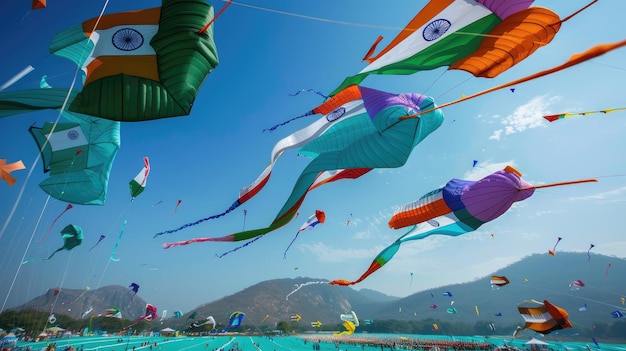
x=17, y=271
x=54, y=125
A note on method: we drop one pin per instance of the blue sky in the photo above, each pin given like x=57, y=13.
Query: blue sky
x=205, y=158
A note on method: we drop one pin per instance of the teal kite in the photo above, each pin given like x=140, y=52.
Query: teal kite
x=72, y=236
x=78, y=155
x=139, y=65
x=361, y=129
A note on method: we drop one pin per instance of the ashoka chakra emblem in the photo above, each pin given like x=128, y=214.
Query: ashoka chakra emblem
x=127, y=39
x=73, y=135
x=336, y=114
x=435, y=29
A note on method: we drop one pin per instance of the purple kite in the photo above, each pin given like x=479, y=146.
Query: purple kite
x=460, y=207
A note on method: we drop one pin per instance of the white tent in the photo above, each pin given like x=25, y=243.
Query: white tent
x=168, y=330
x=534, y=341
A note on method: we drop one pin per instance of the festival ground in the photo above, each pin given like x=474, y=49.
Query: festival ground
x=320, y=342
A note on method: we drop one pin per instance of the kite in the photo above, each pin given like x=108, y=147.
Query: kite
x=134, y=287
x=576, y=284
x=52, y=319
x=265, y=318
x=351, y=317
x=86, y=313
x=356, y=119
x=209, y=320
x=447, y=293
x=72, y=236
x=492, y=327
x=235, y=320
x=67, y=208
x=435, y=326
x=98, y=242
x=43, y=82
x=452, y=310
x=193, y=315
x=622, y=299
x=591, y=246
x=552, y=118
x=433, y=306
x=411, y=282
x=39, y=4
x=113, y=312
x=617, y=314
x=499, y=280
x=7, y=168
x=476, y=309
x=368, y=321
x=245, y=212
x=300, y=286
x=542, y=317
x=117, y=243
x=140, y=65
x=499, y=314
x=315, y=219
x=138, y=184
x=583, y=308
x=316, y=324
x=606, y=271
x=163, y=315
x=178, y=314
x=176, y=208
x=150, y=315
x=295, y=317
x=350, y=328
x=460, y=207
x=78, y=155
x=553, y=251
x=484, y=38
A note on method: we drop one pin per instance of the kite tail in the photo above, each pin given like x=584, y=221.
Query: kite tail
x=310, y=90
x=381, y=259
x=117, y=243
x=43, y=259
x=273, y=128
x=69, y=207
x=287, y=249
x=250, y=234
x=230, y=209
x=239, y=247
x=300, y=286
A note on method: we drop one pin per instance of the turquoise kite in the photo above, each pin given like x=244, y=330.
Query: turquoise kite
x=139, y=65
x=361, y=129
x=72, y=236
x=78, y=155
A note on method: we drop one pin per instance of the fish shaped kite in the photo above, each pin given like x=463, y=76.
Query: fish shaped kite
x=354, y=120
x=72, y=236
x=113, y=312
x=576, y=284
x=543, y=317
x=139, y=65
x=134, y=287
x=7, y=168
x=350, y=328
x=78, y=155
x=460, y=207
x=481, y=37
x=209, y=320
x=552, y=118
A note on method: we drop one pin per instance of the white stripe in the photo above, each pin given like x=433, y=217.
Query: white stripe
x=103, y=42
x=460, y=13
x=67, y=139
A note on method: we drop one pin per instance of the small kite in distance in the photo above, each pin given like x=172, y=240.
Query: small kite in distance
x=553, y=251
x=7, y=168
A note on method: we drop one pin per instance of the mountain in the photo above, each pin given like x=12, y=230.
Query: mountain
x=73, y=303
x=537, y=277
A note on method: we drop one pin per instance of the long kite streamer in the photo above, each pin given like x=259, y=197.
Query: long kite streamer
x=117, y=243
x=591, y=246
x=552, y=118
x=99, y=240
x=69, y=207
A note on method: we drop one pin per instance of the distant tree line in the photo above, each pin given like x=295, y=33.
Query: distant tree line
x=34, y=322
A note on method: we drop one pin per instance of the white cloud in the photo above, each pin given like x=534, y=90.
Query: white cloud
x=601, y=196
x=527, y=116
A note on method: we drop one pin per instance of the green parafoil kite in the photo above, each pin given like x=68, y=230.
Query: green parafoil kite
x=78, y=155
x=139, y=65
